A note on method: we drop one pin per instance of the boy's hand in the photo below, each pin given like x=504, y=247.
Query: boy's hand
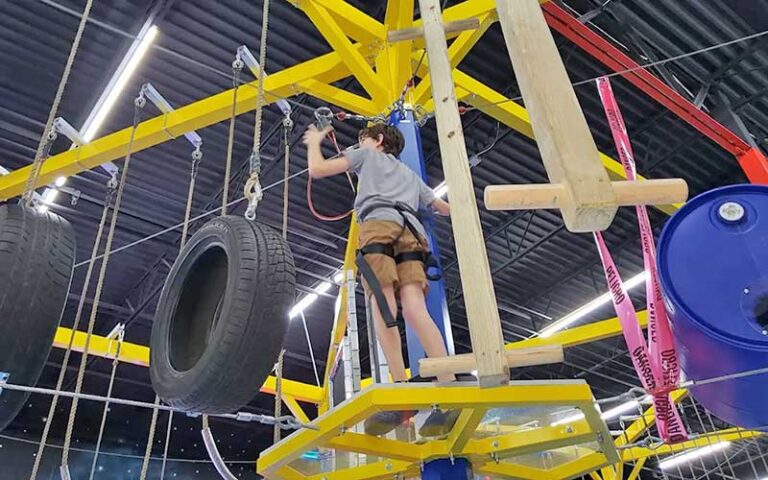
x=313, y=136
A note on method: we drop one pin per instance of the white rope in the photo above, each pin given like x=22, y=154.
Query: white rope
x=99, y=289
x=78, y=316
x=104, y=413
x=48, y=134
x=150, y=440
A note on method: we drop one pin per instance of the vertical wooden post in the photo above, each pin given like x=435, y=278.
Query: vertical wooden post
x=566, y=144
x=479, y=297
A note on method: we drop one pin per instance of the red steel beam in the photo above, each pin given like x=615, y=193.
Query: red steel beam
x=752, y=161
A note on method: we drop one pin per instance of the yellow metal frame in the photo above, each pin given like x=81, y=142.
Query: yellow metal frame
x=335, y=430
x=360, y=49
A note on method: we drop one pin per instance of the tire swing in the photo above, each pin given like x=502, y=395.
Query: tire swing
x=223, y=312
x=37, y=256
x=37, y=253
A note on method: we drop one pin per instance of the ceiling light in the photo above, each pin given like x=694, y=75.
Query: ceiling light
x=49, y=196
x=119, y=80
x=60, y=181
x=302, y=305
x=338, y=277
x=623, y=408
x=692, y=455
x=323, y=287
x=590, y=307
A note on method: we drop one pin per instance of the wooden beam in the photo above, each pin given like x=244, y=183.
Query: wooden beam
x=565, y=142
x=417, y=32
x=480, y=299
x=514, y=358
x=549, y=195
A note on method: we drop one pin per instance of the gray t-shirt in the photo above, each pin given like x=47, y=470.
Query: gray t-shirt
x=383, y=178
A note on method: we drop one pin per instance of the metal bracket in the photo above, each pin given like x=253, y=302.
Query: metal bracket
x=65, y=128
x=149, y=92
x=4, y=376
x=244, y=55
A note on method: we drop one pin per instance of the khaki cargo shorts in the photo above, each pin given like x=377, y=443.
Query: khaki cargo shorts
x=403, y=241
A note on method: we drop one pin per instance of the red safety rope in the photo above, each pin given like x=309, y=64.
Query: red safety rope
x=310, y=203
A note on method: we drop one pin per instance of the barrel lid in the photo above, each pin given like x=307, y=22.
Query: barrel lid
x=713, y=263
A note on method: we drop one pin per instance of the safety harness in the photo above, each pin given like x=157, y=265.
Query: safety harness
x=426, y=257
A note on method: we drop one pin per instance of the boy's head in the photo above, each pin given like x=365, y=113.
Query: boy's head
x=382, y=137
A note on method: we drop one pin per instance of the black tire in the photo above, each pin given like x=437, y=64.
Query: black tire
x=37, y=256
x=222, y=316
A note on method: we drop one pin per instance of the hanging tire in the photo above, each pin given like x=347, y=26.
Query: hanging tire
x=37, y=255
x=222, y=316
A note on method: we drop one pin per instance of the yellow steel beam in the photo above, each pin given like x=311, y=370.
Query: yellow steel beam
x=102, y=347
x=635, y=473
x=355, y=23
x=139, y=355
x=464, y=429
x=341, y=98
x=581, y=466
x=197, y=115
x=385, y=470
x=728, y=435
x=534, y=440
x=591, y=332
x=595, y=476
x=328, y=427
x=512, y=470
x=351, y=56
x=380, y=447
x=399, y=15
x=295, y=408
x=456, y=53
x=639, y=426
x=288, y=473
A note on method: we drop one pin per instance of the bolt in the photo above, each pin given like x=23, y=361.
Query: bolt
x=765, y=332
x=569, y=429
x=731, y=212
x=746, y=291
x=388, y=466
x=495, y=444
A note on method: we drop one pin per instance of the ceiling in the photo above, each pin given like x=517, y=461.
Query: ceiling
x=541, y=271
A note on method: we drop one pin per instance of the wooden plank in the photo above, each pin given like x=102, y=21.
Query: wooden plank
x=566, y=145
x=465, y=363
x=550, y=195
x=479, y=296
x=417, y=32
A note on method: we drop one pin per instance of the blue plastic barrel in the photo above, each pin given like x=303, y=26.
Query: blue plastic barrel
x=713, y=268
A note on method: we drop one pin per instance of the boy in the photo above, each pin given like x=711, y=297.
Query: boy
x=388, y=194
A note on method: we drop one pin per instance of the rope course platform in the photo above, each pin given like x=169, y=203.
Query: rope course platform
x=511, y=431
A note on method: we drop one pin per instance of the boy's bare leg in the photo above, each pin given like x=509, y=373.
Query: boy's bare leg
x=389, y=337
x=417, y=316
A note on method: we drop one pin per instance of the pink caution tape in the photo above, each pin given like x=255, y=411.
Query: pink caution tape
x=656, y=363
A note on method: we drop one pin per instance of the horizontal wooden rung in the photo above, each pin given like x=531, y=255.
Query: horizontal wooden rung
x=465, y=363
x=547, y=195
x=406, y=34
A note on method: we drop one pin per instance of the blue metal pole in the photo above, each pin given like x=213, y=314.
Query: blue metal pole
x=413, y=156
x=447, y=469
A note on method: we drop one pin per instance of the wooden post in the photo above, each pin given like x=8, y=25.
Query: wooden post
x=565, y=142
x=479, y=297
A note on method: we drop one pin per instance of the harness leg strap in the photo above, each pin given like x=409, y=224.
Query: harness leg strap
x=373, y=283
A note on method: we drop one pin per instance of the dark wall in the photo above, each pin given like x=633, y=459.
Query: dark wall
x=17, y=458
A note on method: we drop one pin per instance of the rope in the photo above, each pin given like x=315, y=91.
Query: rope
x=197, y=155
x=287, y=124
x=278, y=394
x=237, y=67
x=287, y=127
x=253, y=191
x=115, y=362
x=78, y=316
x=150, y=440
x=48, y=135
x=99, y=288
x=167, y=443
